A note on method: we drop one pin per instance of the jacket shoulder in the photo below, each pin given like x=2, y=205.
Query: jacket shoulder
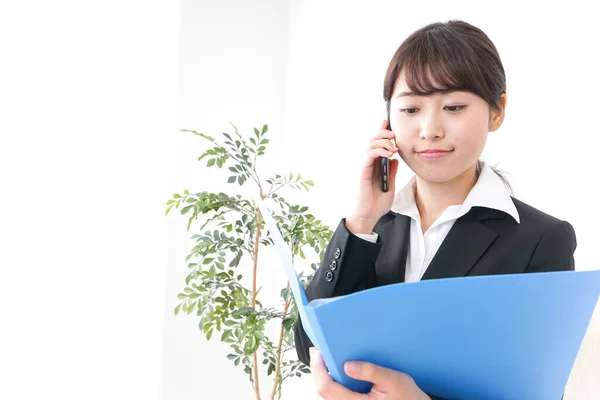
x=530, y=215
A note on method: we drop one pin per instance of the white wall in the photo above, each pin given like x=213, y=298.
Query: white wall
x=87, y=107
x=314, y=72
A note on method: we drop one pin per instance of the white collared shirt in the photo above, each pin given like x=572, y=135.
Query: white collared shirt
x=489, y=191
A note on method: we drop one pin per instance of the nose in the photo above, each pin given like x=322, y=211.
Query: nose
x=431, y=126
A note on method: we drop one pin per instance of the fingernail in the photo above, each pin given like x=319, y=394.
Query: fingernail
x=352, y=367
x=311, y=351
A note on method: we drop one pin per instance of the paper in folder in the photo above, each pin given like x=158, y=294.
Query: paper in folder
x=494, y=337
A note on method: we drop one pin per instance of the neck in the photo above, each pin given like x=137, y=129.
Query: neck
x=433, y=198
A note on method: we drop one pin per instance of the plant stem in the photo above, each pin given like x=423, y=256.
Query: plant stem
x=254, y=292
x=281, y=333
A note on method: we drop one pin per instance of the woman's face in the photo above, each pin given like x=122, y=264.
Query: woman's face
x=456, y=123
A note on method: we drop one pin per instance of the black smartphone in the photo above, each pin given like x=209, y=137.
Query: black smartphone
x=385, y=166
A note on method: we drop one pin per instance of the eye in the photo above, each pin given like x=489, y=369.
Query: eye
x=408, y=110
x=455, y=108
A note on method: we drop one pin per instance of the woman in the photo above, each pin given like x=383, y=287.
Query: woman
x=445, y=90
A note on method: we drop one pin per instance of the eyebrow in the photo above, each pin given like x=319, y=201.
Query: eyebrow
x=401, y=94
x=409, y=93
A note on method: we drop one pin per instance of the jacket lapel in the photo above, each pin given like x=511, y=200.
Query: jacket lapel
x=391, y=265
x=464, y=245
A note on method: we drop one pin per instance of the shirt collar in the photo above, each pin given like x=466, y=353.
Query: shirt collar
x=489, y=191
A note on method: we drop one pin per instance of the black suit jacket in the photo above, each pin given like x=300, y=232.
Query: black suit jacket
x=482, y=242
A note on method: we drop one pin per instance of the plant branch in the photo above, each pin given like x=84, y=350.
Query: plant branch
x=281, y=333
x=254, y=292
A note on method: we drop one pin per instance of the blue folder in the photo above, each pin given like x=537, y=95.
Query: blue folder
x=493, y=337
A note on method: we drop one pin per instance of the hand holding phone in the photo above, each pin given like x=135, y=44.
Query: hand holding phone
x=377, y=182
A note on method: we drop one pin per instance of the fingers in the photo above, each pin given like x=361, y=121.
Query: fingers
x=384, y=133
x=381, y=145
x=326, y=387
x=374, y=153
x=385, y=143
x=384, y=139
x=364, y=371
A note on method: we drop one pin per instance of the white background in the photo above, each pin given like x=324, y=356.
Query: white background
x=87, y=118
x=92, y=97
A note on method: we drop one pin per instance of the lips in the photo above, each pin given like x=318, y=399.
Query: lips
x=433, y=153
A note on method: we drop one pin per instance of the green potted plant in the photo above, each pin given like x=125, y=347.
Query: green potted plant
x=221, y=287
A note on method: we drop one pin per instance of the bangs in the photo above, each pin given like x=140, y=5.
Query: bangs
x=444, y=57
x=441, y=64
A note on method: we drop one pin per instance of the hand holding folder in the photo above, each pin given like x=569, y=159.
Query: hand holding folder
x=513, y=336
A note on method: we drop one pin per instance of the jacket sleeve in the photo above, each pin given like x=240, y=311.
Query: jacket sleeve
x=348, y=266
x=555, y=250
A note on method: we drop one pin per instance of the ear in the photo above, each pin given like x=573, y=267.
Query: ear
x=497, y=117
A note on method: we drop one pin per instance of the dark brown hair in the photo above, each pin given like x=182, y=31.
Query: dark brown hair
x=457, y=55
x=446, y=56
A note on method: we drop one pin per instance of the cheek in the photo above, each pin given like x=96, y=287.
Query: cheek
x=404, y=142
x=470, y=133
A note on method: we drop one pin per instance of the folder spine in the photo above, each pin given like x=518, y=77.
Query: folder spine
x=321, y=344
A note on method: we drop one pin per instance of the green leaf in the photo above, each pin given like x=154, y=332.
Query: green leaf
x=209, y=334
x=191, y=307
x=256, y=132
x=264, y=128
x=231, y=356
x=226, y=335
x=231, y=179
x=210, y=162
x=177, y=309
x=251, y=344
x=202, y=156
x=207, y=260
